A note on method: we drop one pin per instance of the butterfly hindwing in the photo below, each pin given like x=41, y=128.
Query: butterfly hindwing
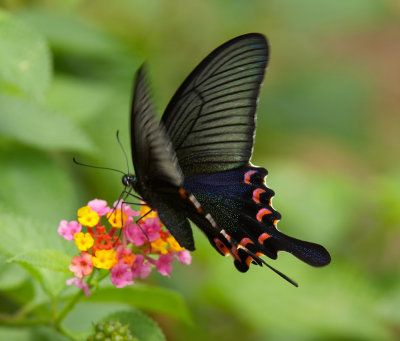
x=240, y=203
x=211, y=118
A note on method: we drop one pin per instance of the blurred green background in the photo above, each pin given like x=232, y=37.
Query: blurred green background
x=328, y=132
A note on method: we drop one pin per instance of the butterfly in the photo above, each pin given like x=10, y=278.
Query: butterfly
x=195, y=164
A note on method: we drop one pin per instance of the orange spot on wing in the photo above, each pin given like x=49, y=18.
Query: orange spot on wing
x=275, y=222
x=263, y=237
x=183, y=193
x=261, y=213
x=221, y=246
x=248, y=175
x=245, y=241
x=235, y=253
x=256, y=195
x=249, y=260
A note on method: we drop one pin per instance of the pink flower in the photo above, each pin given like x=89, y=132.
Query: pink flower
x=135, y=235
x=68, y=229
x=148, y=230
x=152, y=228
x=163, y=265
x=185, y=257
x=81, y=266
x=140, y=268
x=99, y=206
x=78, y=282
x=121, y=275
x=125, y=255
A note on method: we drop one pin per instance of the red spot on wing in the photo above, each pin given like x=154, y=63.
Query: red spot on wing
x=245, y=241
x=261, y=213
x=256, y=195
x=249, y=260
x=248, y=175
x=235, y=253
x=263, y=237
x=183, y=193
x=221, y=246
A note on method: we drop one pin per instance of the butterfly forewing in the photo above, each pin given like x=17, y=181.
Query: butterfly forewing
x=156, y=167
x=152, y=153
x=211, y=118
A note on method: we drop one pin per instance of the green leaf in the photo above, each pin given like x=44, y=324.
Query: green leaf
x=147, y=298
x=47, y=259
x=15, y=334
x=38, y=126
x=52, y=282
x=12, y=276
x=141, y=326
x=30, y=334
x=70, y=33
x=89, y=98
x=31, y=180
x=47, y=334
x=25, y=64
x=22, y=235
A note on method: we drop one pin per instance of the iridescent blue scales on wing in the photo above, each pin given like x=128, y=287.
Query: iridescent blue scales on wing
x=240, y=203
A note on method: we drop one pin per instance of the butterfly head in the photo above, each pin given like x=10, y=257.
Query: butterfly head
x=129, y=180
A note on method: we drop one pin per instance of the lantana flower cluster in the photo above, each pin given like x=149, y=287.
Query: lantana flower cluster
x=132, y=245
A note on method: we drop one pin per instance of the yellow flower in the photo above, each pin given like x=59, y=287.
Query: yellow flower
x=83, y=241
x=87, y=217
x=160, y=246
x=105, y=259
x=117, y=218
x=144, y=210
x=174, y=245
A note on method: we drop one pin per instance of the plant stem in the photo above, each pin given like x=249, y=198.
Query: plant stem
x=67, y=308
x=74, y=300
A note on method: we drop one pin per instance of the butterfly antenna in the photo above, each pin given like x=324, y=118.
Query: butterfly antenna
x=123, y=150
x=259, y=260
x=98, y=167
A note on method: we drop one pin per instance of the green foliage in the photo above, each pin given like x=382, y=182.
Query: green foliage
x=147, y=298
x=111, y=330
x=56, y=132
x=44, y=259
x=25, y=64
x=140, y=326
x=327, y=132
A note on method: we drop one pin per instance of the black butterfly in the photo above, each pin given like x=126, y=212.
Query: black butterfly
x=196, y=165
